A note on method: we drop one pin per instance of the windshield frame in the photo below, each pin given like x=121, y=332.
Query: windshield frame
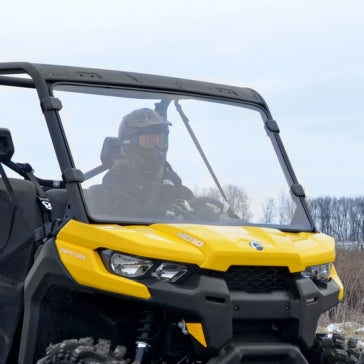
x=43, y=77
x=271, y=128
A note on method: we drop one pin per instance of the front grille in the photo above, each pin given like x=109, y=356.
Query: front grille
x=254, y=279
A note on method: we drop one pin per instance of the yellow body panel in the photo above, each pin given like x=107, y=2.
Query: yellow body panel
x=86, y=267
x=195, y=330
x=210, y=247
x=223, y=246
x=335, y=277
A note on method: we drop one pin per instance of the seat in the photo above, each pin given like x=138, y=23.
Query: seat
x=110, y=153
x=59, y=200
x=19, y=217
x=96, y=195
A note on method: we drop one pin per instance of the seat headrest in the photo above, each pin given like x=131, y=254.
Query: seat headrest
x=6, y=145
x=111, y=151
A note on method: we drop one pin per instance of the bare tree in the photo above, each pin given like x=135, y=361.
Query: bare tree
x=269, y=210
x=235, y=195
x=285, y=208
x=342, y=218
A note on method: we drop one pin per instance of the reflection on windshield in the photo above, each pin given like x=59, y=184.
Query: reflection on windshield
x=167, y=158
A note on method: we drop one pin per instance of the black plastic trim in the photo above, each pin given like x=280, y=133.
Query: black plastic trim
x=51, y=103
x=236, y=351
x=73, y=175
x=46, y=271
x=297, y=190
x=272, y=126
x=205, y=297
x=57, y=73
x=210, y=300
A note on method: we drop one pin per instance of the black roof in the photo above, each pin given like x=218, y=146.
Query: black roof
x=41, y=73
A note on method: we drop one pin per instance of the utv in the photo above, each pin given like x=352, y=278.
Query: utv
x=235, y=273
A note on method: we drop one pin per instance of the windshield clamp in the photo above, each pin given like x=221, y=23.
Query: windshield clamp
x=73, y=175
x=51, y=103
x=272, y=126
x=297, y=190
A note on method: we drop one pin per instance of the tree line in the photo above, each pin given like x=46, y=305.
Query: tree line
x=339, y=217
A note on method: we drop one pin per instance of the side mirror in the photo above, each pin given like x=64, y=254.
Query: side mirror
x=6, y=145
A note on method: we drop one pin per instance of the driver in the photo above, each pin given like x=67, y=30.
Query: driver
x=142, y=183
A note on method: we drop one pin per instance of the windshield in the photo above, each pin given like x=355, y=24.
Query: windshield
x=157, y=157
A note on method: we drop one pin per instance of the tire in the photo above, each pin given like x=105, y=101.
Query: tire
x=333, y=349
x=83, y=351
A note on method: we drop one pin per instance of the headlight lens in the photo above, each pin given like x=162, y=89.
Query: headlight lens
x=130, y=266
x=169, y=272
x=318, y=272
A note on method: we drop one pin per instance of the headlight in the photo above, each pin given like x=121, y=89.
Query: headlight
x=130, y=266
x=169, y=272
x=318, y=272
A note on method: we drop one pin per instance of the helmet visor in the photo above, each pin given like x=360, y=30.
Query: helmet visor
x=150, y=141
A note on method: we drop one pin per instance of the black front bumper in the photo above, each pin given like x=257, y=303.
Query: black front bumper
x=291, y=315
x=273, y=353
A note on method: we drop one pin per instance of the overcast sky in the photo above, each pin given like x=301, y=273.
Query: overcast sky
x=305, y=58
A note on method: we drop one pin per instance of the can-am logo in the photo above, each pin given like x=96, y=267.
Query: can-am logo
x=256, y=245
x=190, y=239
x=73, y=254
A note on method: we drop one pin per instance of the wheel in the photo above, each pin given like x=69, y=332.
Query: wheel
x=333, y=349
x=207, y=208
x=205, y=200
x=83, y=351
x=199, y=208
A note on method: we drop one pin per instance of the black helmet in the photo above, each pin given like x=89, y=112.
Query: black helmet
x=144, y=138
x=142, y=121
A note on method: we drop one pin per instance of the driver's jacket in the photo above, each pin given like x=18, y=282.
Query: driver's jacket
x=136, y=193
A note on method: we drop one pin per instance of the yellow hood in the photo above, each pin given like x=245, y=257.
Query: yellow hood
x=211, y=247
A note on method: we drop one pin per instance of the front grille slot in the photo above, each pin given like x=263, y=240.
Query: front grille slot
x=254, y=278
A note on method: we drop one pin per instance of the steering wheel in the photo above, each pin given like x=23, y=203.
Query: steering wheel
x=183, y=210
x=205, y=200
x=202, y=208
x=208, y=208
x=197, y=209
x=223, y=207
